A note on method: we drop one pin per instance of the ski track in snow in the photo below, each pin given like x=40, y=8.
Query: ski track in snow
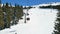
x=41, y=22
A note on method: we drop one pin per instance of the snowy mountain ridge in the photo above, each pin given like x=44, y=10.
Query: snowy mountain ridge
x=47, y=4
x=53, y=4
x=41, y=22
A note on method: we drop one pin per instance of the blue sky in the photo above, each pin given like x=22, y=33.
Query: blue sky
x=29, y=2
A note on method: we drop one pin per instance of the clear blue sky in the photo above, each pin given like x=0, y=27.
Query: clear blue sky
x=29, y=2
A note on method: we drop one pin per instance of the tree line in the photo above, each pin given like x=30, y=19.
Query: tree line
x=10, y=15
x=57, y=21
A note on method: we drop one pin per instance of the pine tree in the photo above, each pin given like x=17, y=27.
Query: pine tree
x=14, y=17
x=57, y=24
x=1, y=19
x=7, y=15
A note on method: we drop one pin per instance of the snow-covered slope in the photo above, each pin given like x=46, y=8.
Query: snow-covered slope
x=52, y=3
x=41, y=22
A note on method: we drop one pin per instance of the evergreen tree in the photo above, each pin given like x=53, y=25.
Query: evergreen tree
x=7, y=13
x=14, y=17
x=5, y=16
x=1, y=19
x=57, y=24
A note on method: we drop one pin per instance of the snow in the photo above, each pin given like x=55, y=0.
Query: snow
x=41, y=22
x=47, y=4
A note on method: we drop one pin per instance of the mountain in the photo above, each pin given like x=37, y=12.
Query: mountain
x=53, y=4
x=42, y=5
x=41, y=22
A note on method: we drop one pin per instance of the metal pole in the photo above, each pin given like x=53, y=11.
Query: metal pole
x=26, y=13
x=25, y=18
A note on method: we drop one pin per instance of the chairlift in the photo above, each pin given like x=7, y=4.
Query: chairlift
x=27, y=14
x=28, y=18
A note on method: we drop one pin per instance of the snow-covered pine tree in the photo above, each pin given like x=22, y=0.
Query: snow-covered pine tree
x=57, y=24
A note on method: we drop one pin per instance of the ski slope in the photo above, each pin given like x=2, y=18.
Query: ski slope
x=41, y=22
